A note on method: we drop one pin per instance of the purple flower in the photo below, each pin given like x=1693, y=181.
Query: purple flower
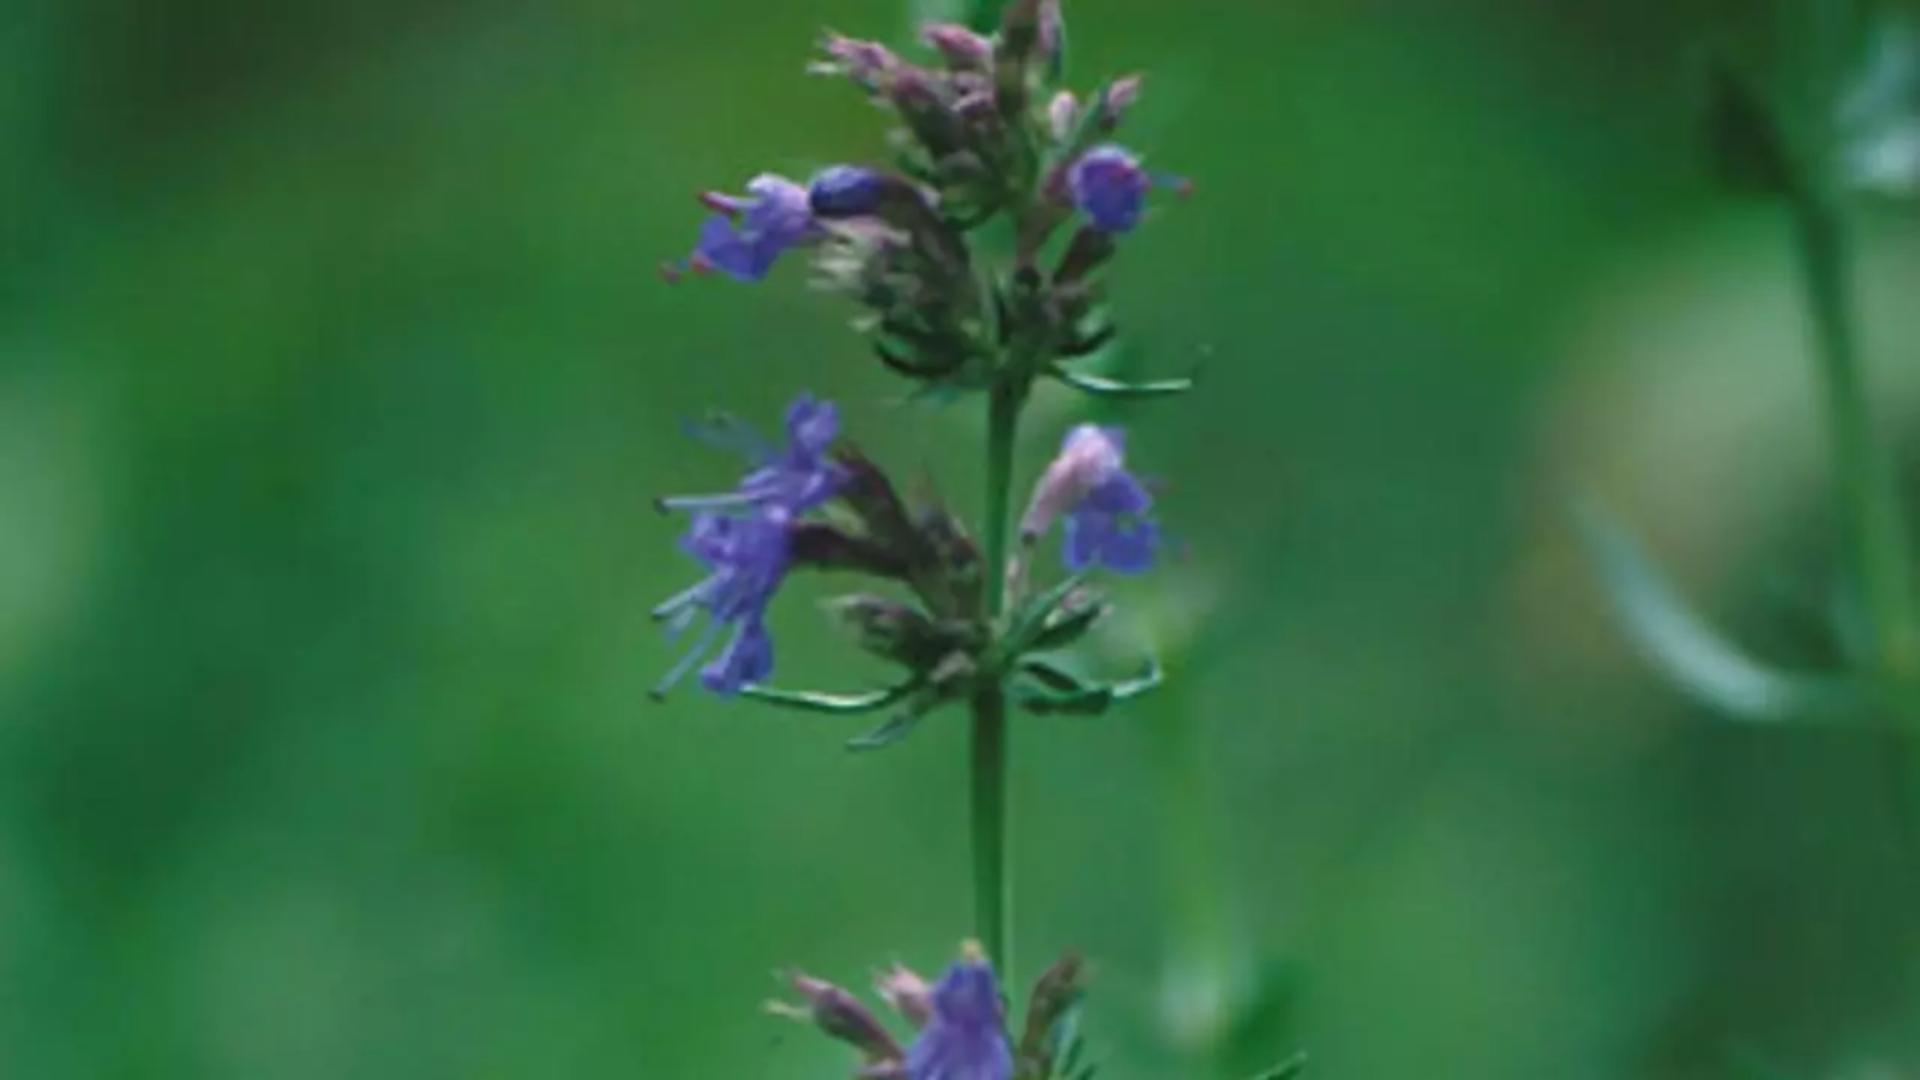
x=1108, y=184
x=966, y=1038
x=743, y=538
x=748, y=233
x=797, y=478
x=746, y=558
x=846, y=191
x=1107, y=508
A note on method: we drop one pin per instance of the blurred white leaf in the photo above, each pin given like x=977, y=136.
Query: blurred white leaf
x=1879, y=118
x=1700, y=661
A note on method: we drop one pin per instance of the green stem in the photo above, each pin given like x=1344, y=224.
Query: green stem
x=992, y=875
x=1873, y=519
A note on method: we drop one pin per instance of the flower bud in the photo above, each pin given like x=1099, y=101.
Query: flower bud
x=926, y=114
x=1090, y=248
x=867, y=63
x=907, y=993
x=1120, y=97
x=846, y=191
x=1062, y=111
x=1019, y=39
x=1090, y=457
x=1053, y=35
x=890, y=629
x=840, y=1015
x=817, y=545
x=963, y=49
x=1053, y=997
x=1020, y=26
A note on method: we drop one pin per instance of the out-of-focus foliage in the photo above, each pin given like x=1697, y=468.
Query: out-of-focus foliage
x=335, y=379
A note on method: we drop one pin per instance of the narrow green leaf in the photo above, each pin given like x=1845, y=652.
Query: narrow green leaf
x=1070, y=1047
x=888, y=733
x=1148, y=682
x=1092, y=701
x=1289, y=1069
x=829, y=704
x=1030, y=621
x=1101, y=386
x=1698, y=659
x=1052, y=677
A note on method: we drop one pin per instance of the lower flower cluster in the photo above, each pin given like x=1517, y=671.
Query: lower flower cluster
x=960, y=1023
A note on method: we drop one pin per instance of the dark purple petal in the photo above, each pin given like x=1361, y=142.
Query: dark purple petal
x=748, y=659
x=1085, y=535
x=1110, y=187
x=1120, y=494
x=724, y=247
x=1123, y=543
x=750, y=233
x=966, y=1039
x=812, y=425
x=967, y=995
x=1131, y=547
x=846, y=191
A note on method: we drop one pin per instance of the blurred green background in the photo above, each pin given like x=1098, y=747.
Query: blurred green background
x=336, y=378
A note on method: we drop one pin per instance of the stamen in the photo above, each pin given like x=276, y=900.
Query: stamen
x=686, y=663
x=682, y=601
x=730, y=205
x=731, y=500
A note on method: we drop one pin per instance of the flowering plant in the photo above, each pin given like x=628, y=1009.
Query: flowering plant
x=988, y=145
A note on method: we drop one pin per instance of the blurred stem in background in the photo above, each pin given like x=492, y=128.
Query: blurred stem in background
x=1878, y=538
x=1877, y=535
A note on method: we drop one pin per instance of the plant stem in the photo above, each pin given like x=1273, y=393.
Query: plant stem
x=1873, y=519
x=992, y=875
x=1875, y=525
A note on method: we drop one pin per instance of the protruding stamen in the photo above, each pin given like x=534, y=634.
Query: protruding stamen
x=732, y=500
x=686, y=663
